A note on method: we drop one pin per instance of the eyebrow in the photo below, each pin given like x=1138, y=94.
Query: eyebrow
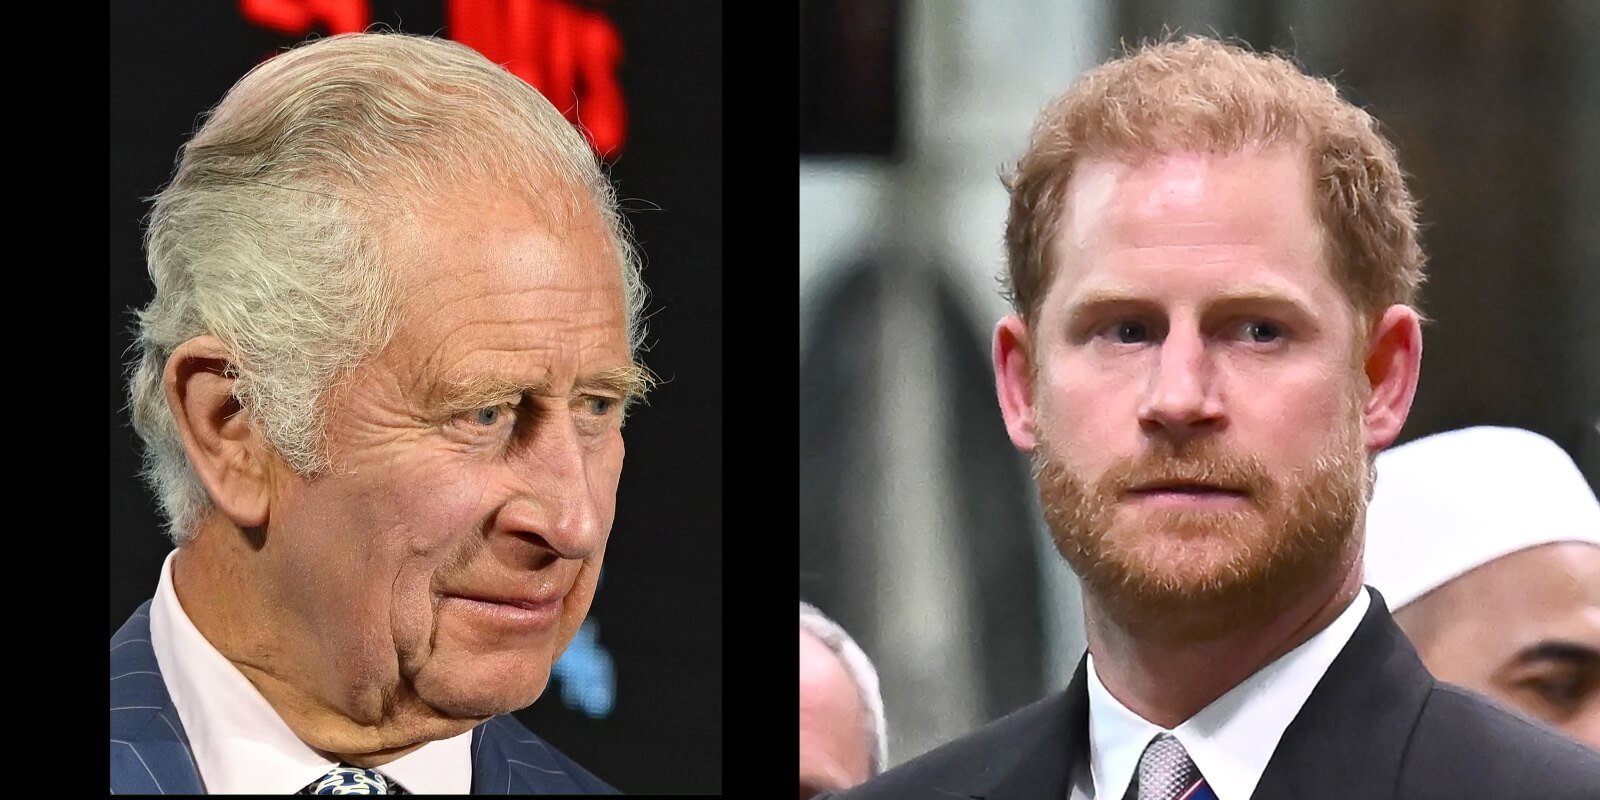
x=629, y=382
x=1101, y=300
x=1556, y=650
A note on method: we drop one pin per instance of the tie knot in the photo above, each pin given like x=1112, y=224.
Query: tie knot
x=1165, y=770
x=345, y=779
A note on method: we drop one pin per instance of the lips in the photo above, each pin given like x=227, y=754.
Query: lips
x=506, y=614
x=1187, y=488
x=530, y=603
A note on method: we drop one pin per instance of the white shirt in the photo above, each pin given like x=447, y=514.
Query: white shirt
x=240, y=744
x=1232, y=739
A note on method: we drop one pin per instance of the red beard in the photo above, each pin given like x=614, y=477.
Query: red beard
x=1196, y=575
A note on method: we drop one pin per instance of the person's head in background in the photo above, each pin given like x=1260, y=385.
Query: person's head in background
x=1486, y=541
x=843, y=736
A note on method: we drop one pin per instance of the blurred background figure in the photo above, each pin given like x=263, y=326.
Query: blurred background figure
x=1486, y=542
x=842, y=731
x=919, y=528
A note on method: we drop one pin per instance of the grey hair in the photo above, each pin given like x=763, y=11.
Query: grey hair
x=270, y=234
x=861, y=672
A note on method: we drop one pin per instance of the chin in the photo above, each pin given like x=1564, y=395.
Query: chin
x=486, y=686
x=1186, y=548
x=1160, y=574
x=1180, y=573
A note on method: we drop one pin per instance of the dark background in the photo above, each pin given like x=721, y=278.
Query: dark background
x=659, y=606
x=850, y=81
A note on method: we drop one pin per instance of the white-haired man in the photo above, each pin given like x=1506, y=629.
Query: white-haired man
x=381, y=388
x=843, y=738
x=1487, y=543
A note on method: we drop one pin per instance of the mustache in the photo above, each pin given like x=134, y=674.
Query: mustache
x=1204, y=464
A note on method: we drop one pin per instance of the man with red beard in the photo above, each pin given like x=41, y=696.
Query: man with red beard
x=1213, y=263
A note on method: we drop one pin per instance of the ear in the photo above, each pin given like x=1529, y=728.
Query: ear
x=224, y=450
x=1013, y=381
x=1393, y=364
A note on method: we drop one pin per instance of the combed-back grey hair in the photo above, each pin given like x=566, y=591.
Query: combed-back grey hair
x=270, y=235
x=861, y=673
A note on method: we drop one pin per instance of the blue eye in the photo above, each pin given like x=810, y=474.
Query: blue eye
x=487, y=415
x=1131, y=332
x=601, y=406
x=1263, y=332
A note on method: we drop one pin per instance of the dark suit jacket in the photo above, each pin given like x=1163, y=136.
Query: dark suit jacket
x=1377, y=726
x=150, y=752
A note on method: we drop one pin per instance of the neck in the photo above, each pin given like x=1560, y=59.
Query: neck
x=1167, y=679
x=226, y=598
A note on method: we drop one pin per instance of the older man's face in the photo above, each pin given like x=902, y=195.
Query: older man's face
x=1194, y=398
x=452, y=553
x=834, y=740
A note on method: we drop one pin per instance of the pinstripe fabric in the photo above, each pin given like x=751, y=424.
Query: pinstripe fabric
x=508, y=759
x=150, y=752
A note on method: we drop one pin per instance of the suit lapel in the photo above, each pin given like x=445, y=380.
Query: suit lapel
x=489, y=774
x=1347, y=741
x=508, y=759
x=1041, y=761
x=149, y=749
x=1350, y=736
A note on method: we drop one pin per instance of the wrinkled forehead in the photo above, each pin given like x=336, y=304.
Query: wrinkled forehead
x=489, y=287
x=507, y=242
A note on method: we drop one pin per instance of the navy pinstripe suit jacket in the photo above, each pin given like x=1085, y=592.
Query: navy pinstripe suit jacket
x=150, y=752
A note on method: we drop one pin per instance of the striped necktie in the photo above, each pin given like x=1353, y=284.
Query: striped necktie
x=345, y=779
x=1167, y=773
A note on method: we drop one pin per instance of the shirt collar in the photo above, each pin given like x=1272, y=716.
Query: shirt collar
x=240, y=745
x=1232, y=739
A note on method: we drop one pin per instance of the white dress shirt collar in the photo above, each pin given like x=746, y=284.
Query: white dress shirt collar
x=1232, y=739
x=240, y=744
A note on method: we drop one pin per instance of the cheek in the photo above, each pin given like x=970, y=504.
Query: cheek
x=603, y=469
x=1285, y=417
x=583, y=588
x=437, y=500
x=576, y=606
x=415, y=513
x=437, y=508
x=1089, y=412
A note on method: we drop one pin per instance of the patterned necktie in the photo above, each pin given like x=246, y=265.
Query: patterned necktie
x=1167, y=773
x=345, y=779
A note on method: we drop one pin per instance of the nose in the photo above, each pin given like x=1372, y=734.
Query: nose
x=567, y=489
x=1180, y=402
